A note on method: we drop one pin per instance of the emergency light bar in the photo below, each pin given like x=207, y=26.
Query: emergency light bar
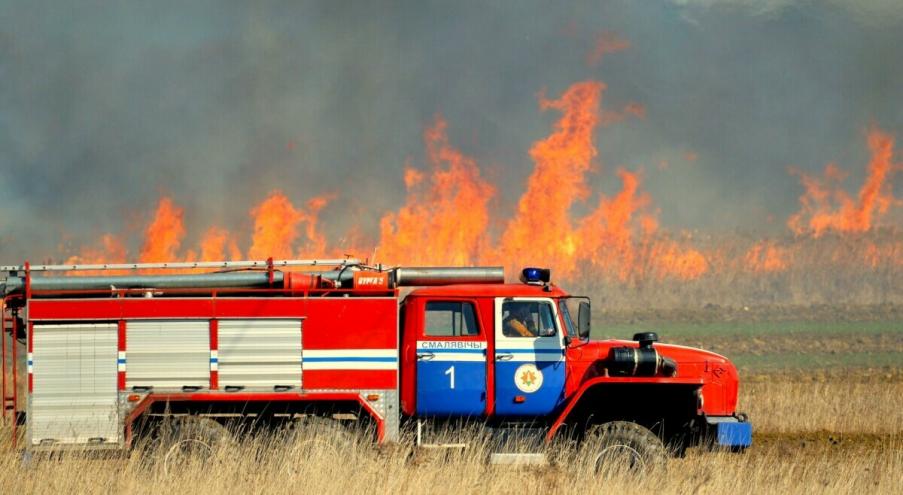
x=536, y=276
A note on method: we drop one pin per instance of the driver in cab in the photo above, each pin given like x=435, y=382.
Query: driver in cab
x=519, y=322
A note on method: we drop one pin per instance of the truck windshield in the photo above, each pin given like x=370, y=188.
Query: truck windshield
x=566, y=316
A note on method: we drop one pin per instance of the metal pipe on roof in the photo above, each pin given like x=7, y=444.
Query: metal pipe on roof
x=401, y=277
x=443, y=275
x=194, y=281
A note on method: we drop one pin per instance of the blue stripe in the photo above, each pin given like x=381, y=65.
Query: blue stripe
x=445, y=349
x=120, y=361
x=30, y=363
x=214, y=360
x=531, y=351
x=350, y=358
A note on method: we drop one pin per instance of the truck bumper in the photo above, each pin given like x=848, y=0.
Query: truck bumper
x=730, y=431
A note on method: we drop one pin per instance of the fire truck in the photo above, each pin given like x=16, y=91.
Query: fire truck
x=109, y=347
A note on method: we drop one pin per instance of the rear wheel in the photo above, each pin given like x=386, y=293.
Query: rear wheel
x=189, y=439
x=320, y=432
x=623, y=446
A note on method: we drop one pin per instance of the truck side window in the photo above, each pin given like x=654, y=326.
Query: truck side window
x=527, y=319
x=450, y=319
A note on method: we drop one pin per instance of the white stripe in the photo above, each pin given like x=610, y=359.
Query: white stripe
x=444, y=350
x=363, y=353
x=532, y=358
x=356, y=359
x=454, y=356
x=450, y=344
x=348, y=365
x=529, y=343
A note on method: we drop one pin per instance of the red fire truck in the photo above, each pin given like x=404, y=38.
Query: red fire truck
x=339, y=338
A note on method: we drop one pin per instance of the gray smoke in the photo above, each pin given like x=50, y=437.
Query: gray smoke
x=103, y=107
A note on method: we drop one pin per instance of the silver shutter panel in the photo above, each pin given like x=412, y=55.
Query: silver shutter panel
x=259, y=353
x=168, y=353
x=75, y=397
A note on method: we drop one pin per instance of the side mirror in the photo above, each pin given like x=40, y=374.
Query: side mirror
x=583, y=320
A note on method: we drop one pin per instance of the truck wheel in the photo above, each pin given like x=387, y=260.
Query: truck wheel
x=623, y=445
x=190, y=439
x=320, y=433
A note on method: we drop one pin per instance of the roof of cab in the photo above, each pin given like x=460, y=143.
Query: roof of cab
x=489, y=290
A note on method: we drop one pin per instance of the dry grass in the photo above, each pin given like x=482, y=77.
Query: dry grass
x=802, y=404
x=265, y=465
x=834, y=269
x=830, y=436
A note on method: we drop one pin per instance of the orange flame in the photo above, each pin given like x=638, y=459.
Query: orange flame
x=541, y=231
x=670, y=259
x=825, y=206
x=276, y=227
x=766, y=257
x=446, y=221
x=111, y=250
x=446, y=216
x=216, y=243
x=605, y=236
x=164, y=234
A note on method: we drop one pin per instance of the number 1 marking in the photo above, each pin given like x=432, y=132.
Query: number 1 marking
x=451, y=372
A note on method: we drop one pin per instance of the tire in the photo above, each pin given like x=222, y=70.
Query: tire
x=624, y=446
x=190, y=439
x=317, y=432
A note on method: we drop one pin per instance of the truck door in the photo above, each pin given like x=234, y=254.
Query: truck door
x=529, y=357
x=451, y=361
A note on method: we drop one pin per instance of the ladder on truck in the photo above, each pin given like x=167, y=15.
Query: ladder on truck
x=187, y=265
x=9, y=390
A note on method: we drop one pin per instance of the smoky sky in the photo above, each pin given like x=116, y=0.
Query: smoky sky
x=104, y=106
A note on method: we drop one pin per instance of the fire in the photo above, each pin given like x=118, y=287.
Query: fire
x=606, y=234
x=447, y=217
x=444, y=220
x=218, y=244
x=542, y=230
x=670, y=259
x=826, y=206
x=164, y=234
x=276, y=222
x=766, y=257
x=110, y=250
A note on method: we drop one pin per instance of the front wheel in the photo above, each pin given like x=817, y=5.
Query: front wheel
x=624, y=446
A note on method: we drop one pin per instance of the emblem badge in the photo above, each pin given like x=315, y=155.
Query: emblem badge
x=528, y=378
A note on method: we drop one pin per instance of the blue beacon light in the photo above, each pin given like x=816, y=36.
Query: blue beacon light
x=536, y=276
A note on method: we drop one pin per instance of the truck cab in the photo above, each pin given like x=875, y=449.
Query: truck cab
x=514, y=354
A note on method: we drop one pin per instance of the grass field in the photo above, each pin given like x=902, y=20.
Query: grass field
x=826, y=399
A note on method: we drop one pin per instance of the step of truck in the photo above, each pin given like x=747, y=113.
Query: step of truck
x=443, y=446
x=518, y=459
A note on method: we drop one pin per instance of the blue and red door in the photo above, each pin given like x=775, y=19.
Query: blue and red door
x=451, y=361
x=529, y=357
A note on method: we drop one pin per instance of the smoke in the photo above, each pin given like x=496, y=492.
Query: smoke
x=106, y=108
